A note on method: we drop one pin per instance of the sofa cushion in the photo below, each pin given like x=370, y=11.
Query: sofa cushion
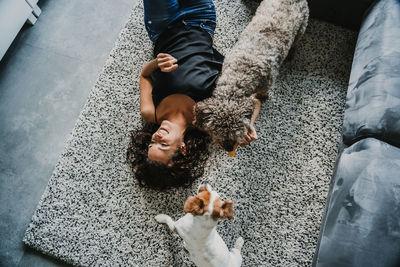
x=373, y=97
x=362, y=222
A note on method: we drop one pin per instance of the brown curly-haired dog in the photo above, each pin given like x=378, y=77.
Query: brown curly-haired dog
x=250, y=69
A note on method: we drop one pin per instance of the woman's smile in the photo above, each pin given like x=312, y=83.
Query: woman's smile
x=164, y=130
x=165, y=141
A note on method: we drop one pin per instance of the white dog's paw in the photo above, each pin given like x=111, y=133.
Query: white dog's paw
x=161, y=218
x=239, y=243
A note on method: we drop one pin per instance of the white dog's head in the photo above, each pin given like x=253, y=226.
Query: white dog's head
x=208, y=203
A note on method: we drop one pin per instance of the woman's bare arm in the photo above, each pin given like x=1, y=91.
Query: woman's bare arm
x=146, y=100
x=256, y=111
x=166, y=63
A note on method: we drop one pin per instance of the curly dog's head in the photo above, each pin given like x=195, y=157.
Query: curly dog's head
x=226, y=120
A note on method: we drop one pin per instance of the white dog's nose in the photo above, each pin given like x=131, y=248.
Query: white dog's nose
x=206, y=185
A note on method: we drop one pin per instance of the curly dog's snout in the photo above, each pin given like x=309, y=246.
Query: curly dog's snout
x=228, y=145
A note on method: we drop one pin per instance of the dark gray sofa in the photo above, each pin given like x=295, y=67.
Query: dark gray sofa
x=361, y=225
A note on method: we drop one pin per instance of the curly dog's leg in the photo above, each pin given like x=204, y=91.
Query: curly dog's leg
x=296, y=41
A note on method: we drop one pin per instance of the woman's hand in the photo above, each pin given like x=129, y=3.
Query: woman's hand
x=251, y=131
x=250, y=136
x=166, y=62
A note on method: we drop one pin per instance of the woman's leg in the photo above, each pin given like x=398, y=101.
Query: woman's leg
x=199, y=13
x=158, y=14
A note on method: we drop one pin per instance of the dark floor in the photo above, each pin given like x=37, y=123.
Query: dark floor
x=45, y=78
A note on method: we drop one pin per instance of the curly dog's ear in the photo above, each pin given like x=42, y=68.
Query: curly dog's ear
x=204, y=111
x=198, y=114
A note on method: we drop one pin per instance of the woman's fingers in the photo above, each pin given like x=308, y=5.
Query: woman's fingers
x=253, y=136
x=168, y=63
x=169, y=69
x=245, y=141
x=249, y=137
x=162, y=57
x=165, y=59
x=252, y=132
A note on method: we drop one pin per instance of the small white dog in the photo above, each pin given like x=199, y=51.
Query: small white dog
x=198, y=229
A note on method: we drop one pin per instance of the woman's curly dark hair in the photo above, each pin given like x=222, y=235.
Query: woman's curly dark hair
x=185, y=168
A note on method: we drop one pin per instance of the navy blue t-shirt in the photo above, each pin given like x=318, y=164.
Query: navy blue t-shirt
x=198, y=63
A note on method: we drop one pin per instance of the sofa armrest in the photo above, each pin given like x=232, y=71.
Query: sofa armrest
x=361, y=226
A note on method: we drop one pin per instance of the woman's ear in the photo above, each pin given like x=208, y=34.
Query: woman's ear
x=194, y=205
x=227, y=208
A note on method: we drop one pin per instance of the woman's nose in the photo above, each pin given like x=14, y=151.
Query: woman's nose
x=157, y=136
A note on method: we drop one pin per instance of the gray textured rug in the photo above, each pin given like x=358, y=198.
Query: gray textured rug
x=94, y=213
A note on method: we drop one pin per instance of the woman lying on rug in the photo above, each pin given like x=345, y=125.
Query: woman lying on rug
x=183, y=72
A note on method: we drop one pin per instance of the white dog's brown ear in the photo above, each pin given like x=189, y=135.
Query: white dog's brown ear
x=227, y=208
x=194, y=205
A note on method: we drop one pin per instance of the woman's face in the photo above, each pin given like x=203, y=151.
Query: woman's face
x=165, y=141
